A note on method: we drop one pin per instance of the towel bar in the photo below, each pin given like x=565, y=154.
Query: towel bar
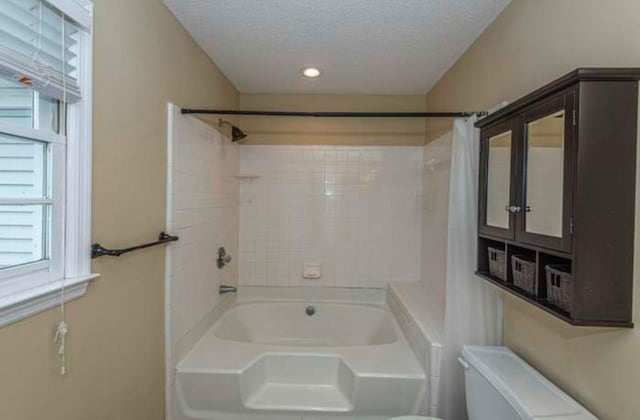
x=98, y=250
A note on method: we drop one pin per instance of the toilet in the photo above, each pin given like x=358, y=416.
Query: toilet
x=499, y=385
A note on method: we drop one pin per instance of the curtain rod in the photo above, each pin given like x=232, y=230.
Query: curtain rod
x=338, y=114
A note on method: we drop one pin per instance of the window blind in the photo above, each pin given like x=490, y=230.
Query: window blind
x=79, y=11
x=33, y=50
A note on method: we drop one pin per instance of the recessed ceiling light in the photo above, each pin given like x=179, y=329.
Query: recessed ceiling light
x=310, y=72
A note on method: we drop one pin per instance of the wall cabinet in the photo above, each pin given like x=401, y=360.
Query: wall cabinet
x=557, y=196
x=527, y=172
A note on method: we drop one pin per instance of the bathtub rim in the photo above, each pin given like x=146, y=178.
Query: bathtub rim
x=263, y=348
x=397, y=331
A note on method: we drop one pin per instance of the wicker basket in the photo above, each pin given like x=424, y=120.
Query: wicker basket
x=524, y=273
x=497, y=263
x=559, y=286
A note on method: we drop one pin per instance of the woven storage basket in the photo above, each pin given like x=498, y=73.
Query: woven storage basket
x=497, y=263
x=524, y=273
x=559, y=285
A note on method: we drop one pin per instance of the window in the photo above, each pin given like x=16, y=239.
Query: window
x=45, y=153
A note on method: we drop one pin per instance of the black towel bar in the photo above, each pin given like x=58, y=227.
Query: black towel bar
x=98, y=250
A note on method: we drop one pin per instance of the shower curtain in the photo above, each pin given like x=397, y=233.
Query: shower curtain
x=473, y=313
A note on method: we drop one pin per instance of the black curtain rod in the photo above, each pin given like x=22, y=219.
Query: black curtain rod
x=337, y=114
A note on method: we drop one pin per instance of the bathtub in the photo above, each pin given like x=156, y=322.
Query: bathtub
x=275, y=358
x=287, y=324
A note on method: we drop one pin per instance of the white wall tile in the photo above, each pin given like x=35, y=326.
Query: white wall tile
x=355, y=210
x=435, y=209
x=204, y=212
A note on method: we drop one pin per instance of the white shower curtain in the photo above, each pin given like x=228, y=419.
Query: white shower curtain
x=473, y=313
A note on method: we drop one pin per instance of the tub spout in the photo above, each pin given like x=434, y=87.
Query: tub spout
x=227, y=289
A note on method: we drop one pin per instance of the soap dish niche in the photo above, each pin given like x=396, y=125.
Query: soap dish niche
x=246, y=177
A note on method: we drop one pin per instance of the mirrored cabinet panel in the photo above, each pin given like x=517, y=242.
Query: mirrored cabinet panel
x=496, y=194
x=547, y=184
x=543, y=189
x=499, y=180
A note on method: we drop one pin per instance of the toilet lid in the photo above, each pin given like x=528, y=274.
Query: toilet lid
x=532, y=395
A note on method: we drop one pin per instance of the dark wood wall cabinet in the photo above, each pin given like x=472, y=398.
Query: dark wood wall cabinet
x=557, y=196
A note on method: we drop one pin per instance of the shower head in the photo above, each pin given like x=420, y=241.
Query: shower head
x=236, y=133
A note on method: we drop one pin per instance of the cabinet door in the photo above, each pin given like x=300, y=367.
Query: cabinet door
x=547, y=174
x=497, y=200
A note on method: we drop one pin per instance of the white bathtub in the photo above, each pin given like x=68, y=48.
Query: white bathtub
x=271, y=357
x=286, y=324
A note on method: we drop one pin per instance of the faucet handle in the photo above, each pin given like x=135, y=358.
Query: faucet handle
x=223, y=259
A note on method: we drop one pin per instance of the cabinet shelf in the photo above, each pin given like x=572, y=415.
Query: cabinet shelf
x=542, y=304
x=532, y=247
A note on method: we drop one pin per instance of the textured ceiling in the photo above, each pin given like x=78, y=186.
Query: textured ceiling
x=362, y=46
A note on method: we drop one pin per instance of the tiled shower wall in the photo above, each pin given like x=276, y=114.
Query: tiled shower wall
x=437, y=160
x=203, y=196
x=354, y=210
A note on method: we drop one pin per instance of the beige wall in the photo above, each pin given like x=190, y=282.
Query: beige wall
x=143, y=59
x=531, y=43
x=334, y=131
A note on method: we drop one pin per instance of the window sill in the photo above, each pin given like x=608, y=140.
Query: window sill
x=21, y=305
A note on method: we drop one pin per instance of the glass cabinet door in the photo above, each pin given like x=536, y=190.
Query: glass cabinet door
x=547, y=140
x=497, y=166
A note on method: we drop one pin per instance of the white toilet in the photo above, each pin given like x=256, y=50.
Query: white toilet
x=500, y=385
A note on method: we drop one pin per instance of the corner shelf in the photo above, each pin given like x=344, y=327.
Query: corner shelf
x=246, y=177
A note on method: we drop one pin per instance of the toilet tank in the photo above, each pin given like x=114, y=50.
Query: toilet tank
x=501, y=386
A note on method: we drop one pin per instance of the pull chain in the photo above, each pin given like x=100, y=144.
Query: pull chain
x=63, y=328
x=61, y=339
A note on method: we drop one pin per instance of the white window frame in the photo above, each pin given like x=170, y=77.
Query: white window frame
x=32, y=288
